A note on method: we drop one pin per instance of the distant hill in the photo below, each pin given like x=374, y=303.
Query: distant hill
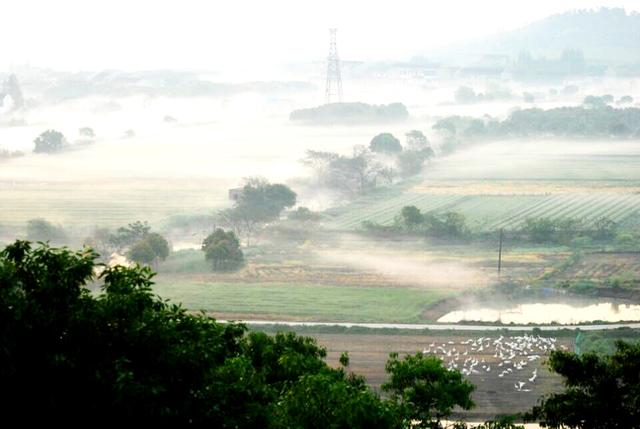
x=611, y=35
x=351, y=113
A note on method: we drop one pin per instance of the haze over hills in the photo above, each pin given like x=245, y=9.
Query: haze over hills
x=605, y=35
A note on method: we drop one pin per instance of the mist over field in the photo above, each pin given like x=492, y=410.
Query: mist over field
x=351, y=172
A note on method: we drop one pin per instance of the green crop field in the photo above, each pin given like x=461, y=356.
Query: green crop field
x=302, y=301
x=496, y=186
x=490, y=212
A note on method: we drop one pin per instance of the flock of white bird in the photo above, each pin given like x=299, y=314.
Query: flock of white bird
x=511, y=355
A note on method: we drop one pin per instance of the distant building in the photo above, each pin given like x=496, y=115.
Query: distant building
x=235, y=194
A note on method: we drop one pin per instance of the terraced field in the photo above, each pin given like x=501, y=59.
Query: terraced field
x=490, y=212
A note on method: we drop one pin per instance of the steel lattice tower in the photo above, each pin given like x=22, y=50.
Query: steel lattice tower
x=333, y=92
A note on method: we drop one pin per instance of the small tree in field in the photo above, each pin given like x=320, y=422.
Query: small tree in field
x=50, y=141
x=411, y=217
x=150, y=249
x=222, y=250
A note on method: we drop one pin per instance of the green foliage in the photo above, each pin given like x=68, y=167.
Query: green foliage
x=43, y=230
x=86, y=132
x=625, y=99
x=151, y=248
x=265, y=201
x=411, y=217
x=350, y=175
x=330, y=400
x=259, y=202
x=424, y=390
x=568, y=231
x=50, y=141
x=129, y=235
x=601, y=391
x=416, y=141
x=11, y=87
x=411, y=162
x=222, y=250
x=385, y=143
x=449, y=225
x=604, y=228
x=351, y=113
x=303, y=214
x=124, y=355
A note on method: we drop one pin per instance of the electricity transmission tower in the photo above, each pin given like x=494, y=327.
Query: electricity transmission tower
x=333, y=92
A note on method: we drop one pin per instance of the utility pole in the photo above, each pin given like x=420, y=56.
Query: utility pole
x=333, y=91
x=500, y=252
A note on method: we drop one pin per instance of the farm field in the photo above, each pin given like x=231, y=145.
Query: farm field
x=298, y=300
x=491, y=212
x=495, y=394
x=353, y=286
x=595, y=270
x=498, y=185
x=111, y=203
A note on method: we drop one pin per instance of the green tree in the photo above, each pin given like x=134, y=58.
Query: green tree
x=416, y=141
x=411, y=217
x=265, y=201
x=410, y=163
x=150, y=249
x=385, y=143
x=70, y=356
x=351, y=175
x=303, y=214
x=222, y=250
x=604, y=228
x=601, y=391
x=329, y=400
x=12, y=88
x=87, y=132
x=424, y=390
x=50, y=141
x=142, y=253
x=540, y=230
x=127, y=236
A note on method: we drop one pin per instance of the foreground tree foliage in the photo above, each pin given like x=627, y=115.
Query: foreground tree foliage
x=124, y=355
x=426, y=391
x=601, y=391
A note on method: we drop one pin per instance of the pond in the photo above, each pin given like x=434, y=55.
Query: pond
x=544, y=313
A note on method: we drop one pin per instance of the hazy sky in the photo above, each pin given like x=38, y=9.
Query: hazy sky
x=249, y=35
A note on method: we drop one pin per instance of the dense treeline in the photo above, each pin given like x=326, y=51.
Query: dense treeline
x=351, y=113
x=593, y=119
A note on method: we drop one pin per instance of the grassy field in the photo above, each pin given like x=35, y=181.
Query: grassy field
x=491, y=212
x=111, y=203
x=299, y=301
